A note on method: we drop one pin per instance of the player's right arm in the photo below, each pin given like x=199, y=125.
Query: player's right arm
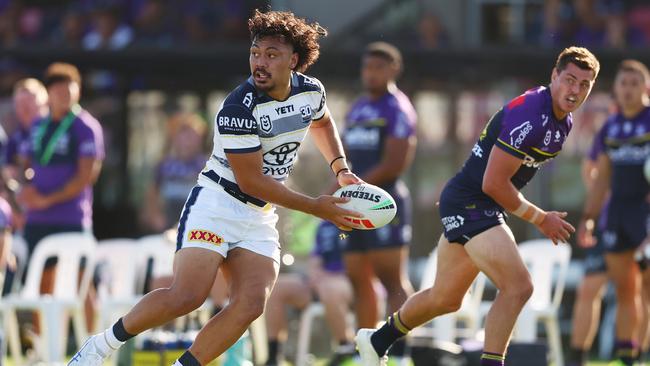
x=247, y=168
x=497, y=184
x=594, y=202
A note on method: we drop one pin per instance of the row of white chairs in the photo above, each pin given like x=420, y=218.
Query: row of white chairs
x=124, y=264
x=548, y=266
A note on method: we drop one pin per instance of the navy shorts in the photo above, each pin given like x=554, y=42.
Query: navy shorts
x=625, y=226
x=594, y=262
x=396, y=234
x=464, y=218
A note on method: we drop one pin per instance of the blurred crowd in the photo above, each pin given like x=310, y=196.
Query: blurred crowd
x=116, y=24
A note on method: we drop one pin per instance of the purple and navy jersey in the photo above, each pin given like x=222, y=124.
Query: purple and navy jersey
x=84, y=138
x=370, y=122
x=329, y=247
x=175, y=179
x=627, y=144
x=17, y=145
x=5, y=214
x=525, y=128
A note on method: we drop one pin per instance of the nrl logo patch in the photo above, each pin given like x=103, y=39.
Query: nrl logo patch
x=265, y=123
x=204, y=236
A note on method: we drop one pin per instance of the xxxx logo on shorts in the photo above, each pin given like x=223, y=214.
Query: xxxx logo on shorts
x=204, y=236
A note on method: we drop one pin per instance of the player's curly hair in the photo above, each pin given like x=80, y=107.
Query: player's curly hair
x=303, y=36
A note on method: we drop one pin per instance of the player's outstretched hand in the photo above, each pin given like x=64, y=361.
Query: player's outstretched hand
x=326, y=208
x=586, y=237
x=555, y=227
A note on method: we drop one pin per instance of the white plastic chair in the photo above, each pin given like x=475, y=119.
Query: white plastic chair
x=445, y=327
x=543, y=260
x=67, y=299
x=307, y=317
x=20, y=250
x=118, y=261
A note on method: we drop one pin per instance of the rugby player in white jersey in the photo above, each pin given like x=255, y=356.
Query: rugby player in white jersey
x=229, y=217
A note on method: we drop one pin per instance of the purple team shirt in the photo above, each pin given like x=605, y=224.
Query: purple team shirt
x=329, y=247
x=525, y=128
x=369, y=122
x=84, y=138
x=626, y=141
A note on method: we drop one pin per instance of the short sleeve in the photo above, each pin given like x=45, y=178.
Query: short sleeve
x=520, y=128
x=321, y=99
x=401, y=126
x=237, y=128
x=598, y=144
x=90, y=139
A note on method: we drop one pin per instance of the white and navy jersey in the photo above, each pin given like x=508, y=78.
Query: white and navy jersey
x=249, y=120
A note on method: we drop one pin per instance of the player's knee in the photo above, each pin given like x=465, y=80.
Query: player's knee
x=522, y=291
x=184, y=302
x=250, y=307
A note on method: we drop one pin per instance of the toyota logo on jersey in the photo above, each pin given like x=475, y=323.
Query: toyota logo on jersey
x=282, y=155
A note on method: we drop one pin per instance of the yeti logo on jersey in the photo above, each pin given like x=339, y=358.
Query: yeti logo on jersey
x=282, y=155
x=305, y=111
x=518, y=134
x=265, y=123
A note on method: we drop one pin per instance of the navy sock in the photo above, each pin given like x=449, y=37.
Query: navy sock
x=492, y=359
x=120, y=333
x=274, y=352
x=577, y=357
x=625, y=351
x=398, y=349
x=390, y=332
x=187, y=359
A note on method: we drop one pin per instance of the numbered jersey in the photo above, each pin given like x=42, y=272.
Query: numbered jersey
x=525, y=128
x=249, y=120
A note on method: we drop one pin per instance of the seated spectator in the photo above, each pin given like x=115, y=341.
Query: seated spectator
x=152, y=25
x=107, y=31
x=431, y=32
x=327, y=282
x=176, y=174
x=71, y=29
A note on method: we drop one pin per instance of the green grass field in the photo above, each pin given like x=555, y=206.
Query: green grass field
x=322, y=363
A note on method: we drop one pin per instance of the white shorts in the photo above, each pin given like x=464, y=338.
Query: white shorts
x=214, y=220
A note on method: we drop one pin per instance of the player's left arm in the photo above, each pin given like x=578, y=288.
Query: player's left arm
x=398, y=156
x=327, y=139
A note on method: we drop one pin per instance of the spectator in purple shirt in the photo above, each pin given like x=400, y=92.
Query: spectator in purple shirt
x=64, y=157
x=176, y=173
